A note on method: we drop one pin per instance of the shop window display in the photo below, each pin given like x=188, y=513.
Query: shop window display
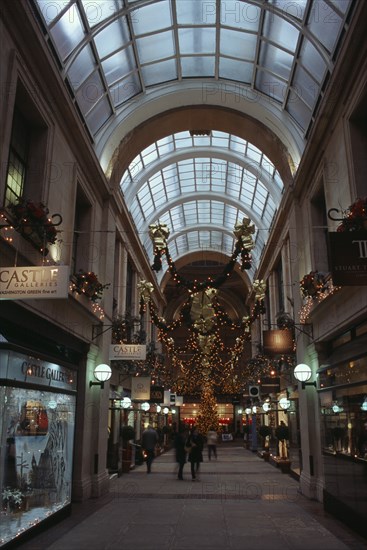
x=36, y=457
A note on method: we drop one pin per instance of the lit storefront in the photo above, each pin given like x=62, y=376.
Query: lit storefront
x=343, y=401
x=38, y=401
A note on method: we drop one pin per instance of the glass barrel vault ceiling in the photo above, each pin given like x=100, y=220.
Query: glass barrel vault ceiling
x=112, y=51
x=201, y=186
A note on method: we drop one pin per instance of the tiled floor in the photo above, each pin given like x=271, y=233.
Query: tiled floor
x=240, y=502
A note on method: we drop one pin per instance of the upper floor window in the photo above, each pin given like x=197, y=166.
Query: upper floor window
x=18, y=159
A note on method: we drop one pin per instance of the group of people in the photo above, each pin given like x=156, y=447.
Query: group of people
x=189, y=445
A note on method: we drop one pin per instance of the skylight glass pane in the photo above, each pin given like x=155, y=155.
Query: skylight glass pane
x=198, y=66
x=196, y=40
x=235, y=70
x=51, y=10
x=238, y=44
x=270, y=85
x=298, y=110
x=280, y=31
x=325, y=24
x=68, y=32
x=162, y=71
x=295, y=8
x=124, y=90
x=165, y=145
x=253, y=153
x=81, y=68
x=155, y=46
x=237, y=144
x=99, y=115
x=112, y=38
x=197, y=12
x=312, y=60
x=183, y=139
x=275, y=60
x=305, y=86
x=97, y=12
x=219, y=139
x=152, y=17
x=341, y=5
x=241, y=15
x=119, y=65
x=90, y=92
x=149, y=154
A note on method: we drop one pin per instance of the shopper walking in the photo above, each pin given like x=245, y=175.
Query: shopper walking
x=149, y=441
x=194, y=445
x=179, y=443
x=211, y=439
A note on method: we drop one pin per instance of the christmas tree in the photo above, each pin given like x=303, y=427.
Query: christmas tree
x=208, y=417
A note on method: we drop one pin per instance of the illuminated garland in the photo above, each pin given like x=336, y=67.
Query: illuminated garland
x=243, y=232
x=311, y=301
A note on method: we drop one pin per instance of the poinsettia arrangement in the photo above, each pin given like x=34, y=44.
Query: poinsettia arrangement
x=34, y=216
x=312, y=283
x=355, y=218
x=86, y=282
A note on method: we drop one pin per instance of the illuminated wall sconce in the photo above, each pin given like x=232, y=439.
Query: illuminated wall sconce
x=158, y=408
x=364, y=404
x=302, y=373
x=284, y=403
x=266, y=407
x=248, y=410
x=126, y=402
x=337, y=409
x=102, y=373
x=165, y=410
x=145, y=406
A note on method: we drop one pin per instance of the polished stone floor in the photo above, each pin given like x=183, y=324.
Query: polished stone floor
x=239, y=502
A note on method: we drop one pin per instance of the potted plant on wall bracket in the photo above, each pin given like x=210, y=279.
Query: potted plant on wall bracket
x=355, y=217
x=312, y=284
x=31, y=219
x=87, y=283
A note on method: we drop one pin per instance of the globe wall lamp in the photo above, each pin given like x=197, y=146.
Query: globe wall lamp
x=102, y=373
x=165, y=410
x=284, y=403
x=145, y=406
x=302, y=373
x=266, y=406
x=126, y=402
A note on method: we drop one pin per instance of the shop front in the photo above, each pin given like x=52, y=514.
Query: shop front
x=37, y=400
x=343, y=402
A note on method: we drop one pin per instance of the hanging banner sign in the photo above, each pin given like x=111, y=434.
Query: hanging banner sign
x=278, y=341
x=348, y=253
x=125, y=352
x=156, y=394
x=140, y=388
x=30, y=282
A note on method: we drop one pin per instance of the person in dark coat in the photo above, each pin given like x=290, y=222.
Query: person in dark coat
x=179, y=443
x=149, y=441
x=195, y=444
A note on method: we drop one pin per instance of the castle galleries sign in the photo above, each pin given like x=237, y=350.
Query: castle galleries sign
x=29, y=282
x=348, y=253
x=126, y=352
